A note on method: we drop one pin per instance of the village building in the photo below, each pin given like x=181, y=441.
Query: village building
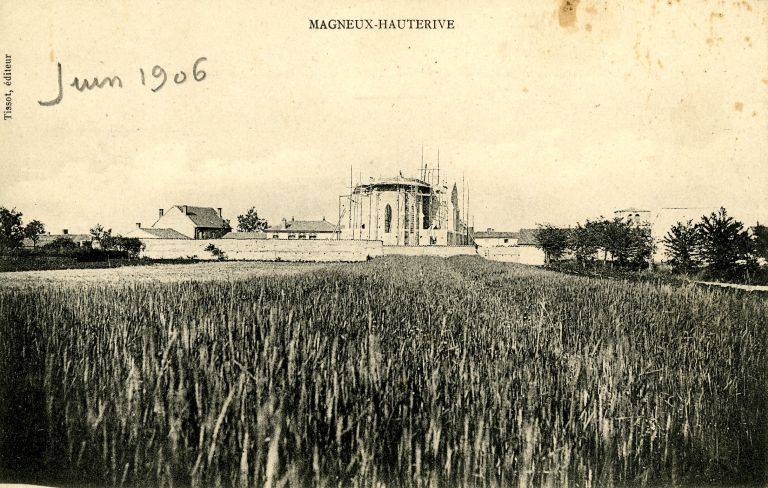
x=402, y=211
x=493, y=238
x=303, y=229
x=528, y=248
x=514, y=247
x=634, y=216
x=186, y=220
x=667, y=217
x=79, y=239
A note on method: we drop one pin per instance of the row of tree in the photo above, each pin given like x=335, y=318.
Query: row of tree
x=717, y=244
x=612, y=241
x=13, y=231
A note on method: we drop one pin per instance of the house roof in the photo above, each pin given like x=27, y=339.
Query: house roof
x=48, y=238
x=631, y=209
x=304, y=226
x=527, y=237
x=205, y=217
x=164, y=233
x=492, y=234
x=245, y=235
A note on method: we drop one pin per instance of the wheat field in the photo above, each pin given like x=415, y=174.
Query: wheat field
x=396, y=372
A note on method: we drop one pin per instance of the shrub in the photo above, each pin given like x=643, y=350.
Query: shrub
x=216, y=252
x=59, y=244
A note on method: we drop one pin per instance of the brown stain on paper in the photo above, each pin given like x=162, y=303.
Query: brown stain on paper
x=738, y=106
x=713, y=38
x=566, y=14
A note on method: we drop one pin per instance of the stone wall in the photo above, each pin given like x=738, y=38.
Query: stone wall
x=514, y=254
x=264, y=250
x=440, y=251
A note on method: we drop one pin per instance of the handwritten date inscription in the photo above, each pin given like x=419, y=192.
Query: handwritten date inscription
x=157, y=79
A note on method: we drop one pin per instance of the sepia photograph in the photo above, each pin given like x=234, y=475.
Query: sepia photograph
x=384, y=244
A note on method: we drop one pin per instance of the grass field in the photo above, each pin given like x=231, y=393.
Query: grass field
x=399, y=371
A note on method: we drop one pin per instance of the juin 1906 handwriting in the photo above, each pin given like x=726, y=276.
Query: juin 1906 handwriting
x=155, y=80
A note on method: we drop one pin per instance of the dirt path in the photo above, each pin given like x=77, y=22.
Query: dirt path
x=734, y=285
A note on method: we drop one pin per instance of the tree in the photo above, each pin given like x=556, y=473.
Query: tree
x=11, y=230
x=682, y=246
x=60, y=243
x=584, y=241
x=724, y=242
x=621, y=242
x=129, y=245
x=628, y=244
x=552, y=240
x=251, y=222
x=102, y=236
x=760, y=238
x=215, y=251
x=33, y=230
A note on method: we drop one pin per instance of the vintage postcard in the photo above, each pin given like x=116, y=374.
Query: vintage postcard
x=331, y=243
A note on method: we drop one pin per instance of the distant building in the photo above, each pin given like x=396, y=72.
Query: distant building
x=634, y=216
x=303, y=229
x=493, y=238
x=404, y=211
x=515, y=247
x=530, y=253
x=189, y=221
x=79, y=239
x=661, y=221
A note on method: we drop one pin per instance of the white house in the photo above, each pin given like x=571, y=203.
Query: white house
x=189, y=221
x=514, y=247
x=303, y=229
x=493, y=238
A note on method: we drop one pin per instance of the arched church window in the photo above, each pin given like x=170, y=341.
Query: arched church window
x=387, y=218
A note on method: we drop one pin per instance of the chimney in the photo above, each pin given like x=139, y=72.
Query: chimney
x=219, y=209
x=285, y=223
x=138, y=225
x=160, y=212
x=184, y=209
x=490, y=229
x=65, y=231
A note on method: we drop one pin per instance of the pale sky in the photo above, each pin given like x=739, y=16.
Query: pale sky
x=549, y=119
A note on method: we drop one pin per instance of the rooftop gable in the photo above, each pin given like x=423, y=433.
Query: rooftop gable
x=204, y=217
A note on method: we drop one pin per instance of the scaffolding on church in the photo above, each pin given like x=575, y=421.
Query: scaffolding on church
x=404, y=211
